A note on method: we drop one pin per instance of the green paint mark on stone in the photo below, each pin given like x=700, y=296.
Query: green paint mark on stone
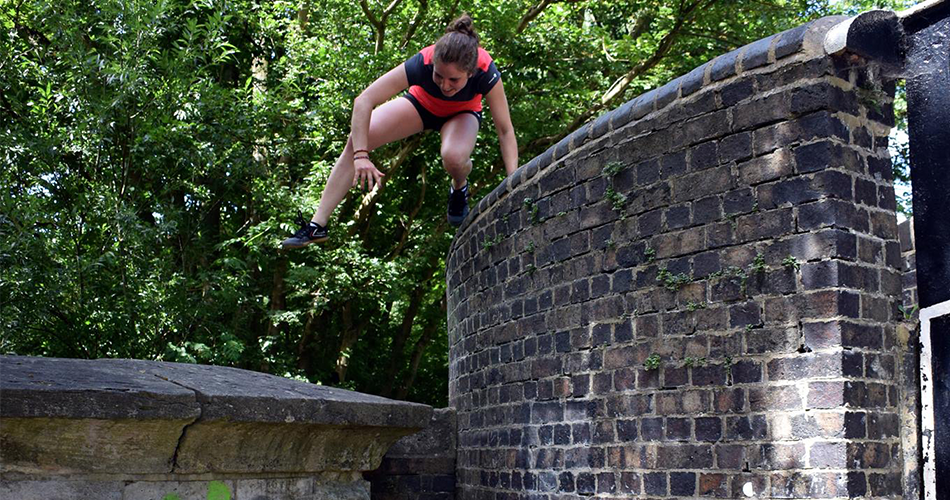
x=171, y=496
x=218, y=491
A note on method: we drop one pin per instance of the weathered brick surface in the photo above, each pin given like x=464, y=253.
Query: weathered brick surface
x=694, y=295
x=420, y=466
x=907, y=366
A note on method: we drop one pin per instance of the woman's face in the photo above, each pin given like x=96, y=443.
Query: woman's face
x=449, y=78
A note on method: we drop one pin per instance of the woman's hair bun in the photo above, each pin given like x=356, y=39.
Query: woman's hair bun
x=463, y=24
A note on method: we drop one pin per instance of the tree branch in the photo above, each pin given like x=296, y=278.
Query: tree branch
x=622, y=83
x=412, y=217
x=405, y=329
x=379, y=24
x=416, y=21
x=369, y=14
x=365, y=208
x=419, y=350
x=536, y=11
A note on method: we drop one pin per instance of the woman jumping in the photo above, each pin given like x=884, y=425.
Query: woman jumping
x=446, y=84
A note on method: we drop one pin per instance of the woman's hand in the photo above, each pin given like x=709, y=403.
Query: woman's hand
x=366, y=174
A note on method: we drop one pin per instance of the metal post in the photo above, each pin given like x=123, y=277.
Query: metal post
x=928, y=114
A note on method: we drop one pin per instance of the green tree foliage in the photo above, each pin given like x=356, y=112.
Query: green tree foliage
x=156, y=151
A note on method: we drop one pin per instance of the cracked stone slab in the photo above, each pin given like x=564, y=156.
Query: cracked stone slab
x=244, y=396
x=63, y=416
x=32, y=387
x=134, y=416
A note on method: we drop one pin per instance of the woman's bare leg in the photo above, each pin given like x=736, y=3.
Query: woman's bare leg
x=394, y=120
x=458, y=141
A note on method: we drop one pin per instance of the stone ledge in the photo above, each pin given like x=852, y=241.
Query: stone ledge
x=66, y=416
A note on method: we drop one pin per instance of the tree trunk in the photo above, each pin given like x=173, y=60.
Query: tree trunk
x=418, y=351
x=405, y=330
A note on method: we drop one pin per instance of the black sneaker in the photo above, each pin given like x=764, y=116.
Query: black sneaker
x=458, y=205
x=309, y=232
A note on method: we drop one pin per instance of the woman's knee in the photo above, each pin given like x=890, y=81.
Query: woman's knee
x=455, y=161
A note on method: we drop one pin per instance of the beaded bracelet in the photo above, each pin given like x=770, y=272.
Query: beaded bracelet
x=361, y=151
x=365, y=157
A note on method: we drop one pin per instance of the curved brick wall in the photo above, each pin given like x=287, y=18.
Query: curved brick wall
x=693, y=296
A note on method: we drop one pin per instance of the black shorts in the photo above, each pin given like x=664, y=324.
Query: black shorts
x=432, y=122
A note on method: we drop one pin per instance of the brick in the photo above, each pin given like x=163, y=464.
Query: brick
x=586, y=484
x=822, y=95
x=823, y=244
x=819, y=125
x=739, y=201
x=724, y=66
x=799, y=190
x=826, y=394
x=804, y=367
x=789, y=42
x=561, y=149
x=639, y=107
x=809, y=485
x=816, y=424
x=677, y=217
x=646, y=199
x=682, y=483
x=833, y=213
x=678, y=429
x=742, y=315
x=762, y=111
x=745, y=428
x=600, y=126
x=869, y=455
x=693, y=81
x=702, y=184
x=885, y=485
x=651, y=429
x=757, y=53
x=746, y=371
x=780, y=456
x=707, y=210
x=708, y=375
x=865, y=192
x=713, y=485
x=701, y=128
x=883, y=425
x=736, y=92
x=703, y=156
x=606, y=482
x=769, y=167
x=546, y=412
x=708, y=429
x=880, y=168
x=826, y=303
x=884, y=225
x=822, y=335
x=684, y=456
x=630, y=482
x=762, y=225
x=648, y=172
x=655, y=483
x=673, y=164
x=858, y=335
x=820, y=155
x=771, y=398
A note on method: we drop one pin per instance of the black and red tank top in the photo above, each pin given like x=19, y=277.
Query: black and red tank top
x=419, y=70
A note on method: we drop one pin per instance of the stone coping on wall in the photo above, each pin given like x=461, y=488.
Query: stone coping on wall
x=807, y=39
x=120, y=416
